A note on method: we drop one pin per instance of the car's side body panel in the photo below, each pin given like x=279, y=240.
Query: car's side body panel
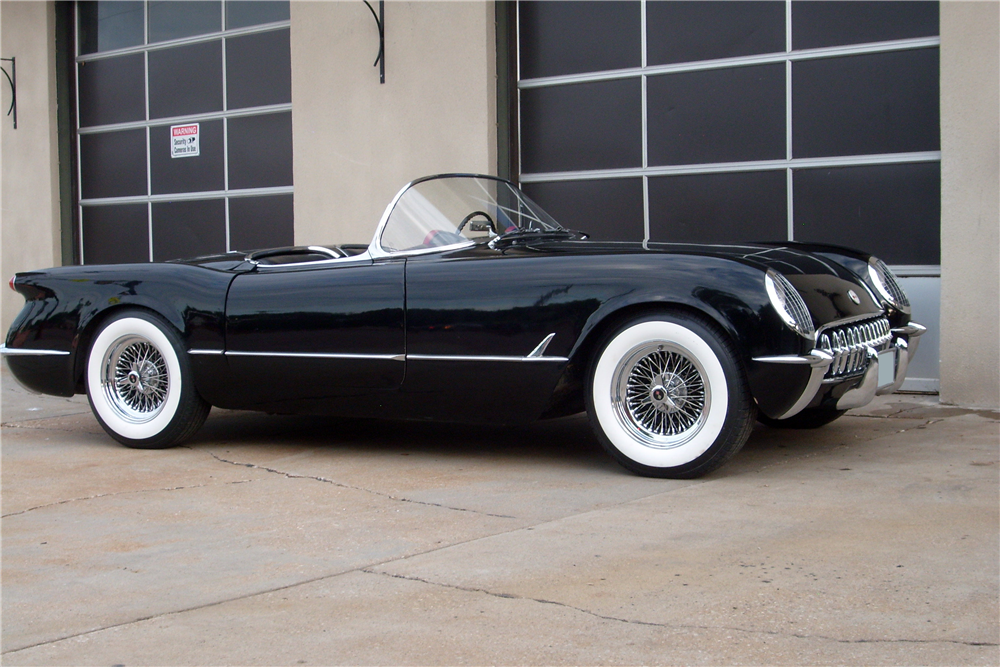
x=300, y=339
x=63, y=305
x=479, y=302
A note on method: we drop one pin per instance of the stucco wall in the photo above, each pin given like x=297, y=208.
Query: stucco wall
x=356, y=141
x=970, y=204
x=29, y=184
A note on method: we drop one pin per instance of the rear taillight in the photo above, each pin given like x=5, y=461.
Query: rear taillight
x=11, y=283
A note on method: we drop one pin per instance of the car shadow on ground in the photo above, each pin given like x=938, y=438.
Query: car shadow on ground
x=568, y=441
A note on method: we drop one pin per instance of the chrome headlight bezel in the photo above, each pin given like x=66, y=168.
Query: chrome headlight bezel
x=887, y=285
x=789, y=304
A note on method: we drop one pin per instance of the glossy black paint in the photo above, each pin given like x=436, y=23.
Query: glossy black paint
x=65, y=305
x=474, y=303
x=319, y=308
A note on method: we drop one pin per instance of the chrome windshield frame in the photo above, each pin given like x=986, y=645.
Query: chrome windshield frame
x=375, y=249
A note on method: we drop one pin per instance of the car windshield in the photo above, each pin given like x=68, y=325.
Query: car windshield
x=445, y=211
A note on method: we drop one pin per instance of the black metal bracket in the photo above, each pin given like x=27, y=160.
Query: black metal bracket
x=380, y=22
x=12, y=80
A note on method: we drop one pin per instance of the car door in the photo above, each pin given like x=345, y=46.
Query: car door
x=321, y=337
x=488, y=333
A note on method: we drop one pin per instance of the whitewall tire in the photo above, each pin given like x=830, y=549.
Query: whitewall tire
x=668, y=398
x=139, y=382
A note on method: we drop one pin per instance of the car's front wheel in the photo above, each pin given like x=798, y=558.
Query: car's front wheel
x=139, y=382
x=668, y=397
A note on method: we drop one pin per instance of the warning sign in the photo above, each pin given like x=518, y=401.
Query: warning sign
x=184, y=140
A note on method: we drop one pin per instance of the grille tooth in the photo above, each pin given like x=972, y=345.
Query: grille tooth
x=848, y=345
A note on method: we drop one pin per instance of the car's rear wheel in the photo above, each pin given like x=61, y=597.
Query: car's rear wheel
x=668, y=397
x=139, y=382
x=808, y=418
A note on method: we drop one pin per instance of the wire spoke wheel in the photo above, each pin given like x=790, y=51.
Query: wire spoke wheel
x=135, y=379
x=139, y=382
x=667, y=396
x=660, y=395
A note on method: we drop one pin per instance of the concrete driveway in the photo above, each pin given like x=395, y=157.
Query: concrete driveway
x=291, y=541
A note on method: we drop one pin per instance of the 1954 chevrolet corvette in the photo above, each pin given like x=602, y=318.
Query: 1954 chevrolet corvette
x=471, y=304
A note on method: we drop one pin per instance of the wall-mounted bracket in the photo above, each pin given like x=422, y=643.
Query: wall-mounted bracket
x=380, y=22
x=12, y=80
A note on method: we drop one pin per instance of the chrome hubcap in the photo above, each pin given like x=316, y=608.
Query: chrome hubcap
x=135, y=379
x=660, y=395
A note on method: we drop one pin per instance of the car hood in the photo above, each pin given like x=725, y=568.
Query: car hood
x=825, y=285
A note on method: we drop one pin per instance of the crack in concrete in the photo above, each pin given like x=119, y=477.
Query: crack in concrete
x=247, y=596
x=671, y=626
x=35, y=423
x=327, y=480
x=118, y=493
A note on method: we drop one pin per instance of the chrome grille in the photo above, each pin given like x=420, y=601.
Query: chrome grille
x=847, y=343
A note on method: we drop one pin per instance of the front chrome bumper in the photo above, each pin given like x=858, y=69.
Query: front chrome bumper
x=884, y=372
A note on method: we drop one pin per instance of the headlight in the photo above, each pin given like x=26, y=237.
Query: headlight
x=788, y=302
x=887, y=286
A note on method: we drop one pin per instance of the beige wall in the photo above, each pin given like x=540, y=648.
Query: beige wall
x=970, y=204
x=29, y=183
x=356, y=141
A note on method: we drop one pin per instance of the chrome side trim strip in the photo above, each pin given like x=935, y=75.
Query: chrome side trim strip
x=536, y=355
x=456, y=357
x=318, y=355
x=22, y=351
x=540, y=349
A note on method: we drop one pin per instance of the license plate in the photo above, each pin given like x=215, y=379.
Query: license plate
x=886, y=368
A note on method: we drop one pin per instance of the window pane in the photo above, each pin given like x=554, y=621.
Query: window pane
x=261, y=222
x=719, y=208
x=105, y=26
x=690, y=31
x=187, y=174
x=174, y=20
x=608, y=210
x=112, y=90
x=572, y=37
x=582, y=126
x=867, y=104
x=115, y=234
x=253, y=80
x=243, y=13
x=113, y=164
x=725, y=115
x=185, y=80
x=893, y=211
x=817, y=24
x=260, y=151
x=188, y=229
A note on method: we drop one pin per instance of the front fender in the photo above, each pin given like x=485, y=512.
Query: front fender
x=728, y=294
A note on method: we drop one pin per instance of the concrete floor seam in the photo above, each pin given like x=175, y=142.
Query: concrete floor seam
x=29, y=423
x=247, y=596
x=121, y=493
x=327, y=480
x=668, y=626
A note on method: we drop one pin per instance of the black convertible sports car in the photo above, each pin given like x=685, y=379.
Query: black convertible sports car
x=471, y=304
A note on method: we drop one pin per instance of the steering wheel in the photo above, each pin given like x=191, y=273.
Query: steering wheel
x=466, y=219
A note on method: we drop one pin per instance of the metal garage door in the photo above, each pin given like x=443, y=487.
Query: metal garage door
x=184, y=128
x=737, y=121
